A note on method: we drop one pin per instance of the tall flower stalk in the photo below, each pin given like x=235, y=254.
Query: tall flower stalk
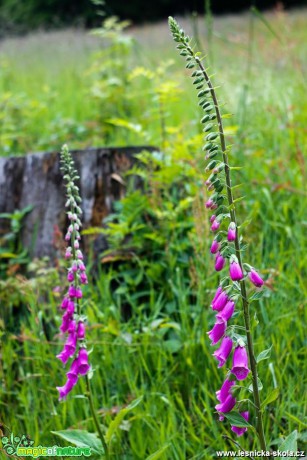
x=74, y=320
x=225, y=246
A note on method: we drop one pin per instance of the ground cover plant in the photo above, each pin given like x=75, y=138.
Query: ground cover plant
x=154, y=377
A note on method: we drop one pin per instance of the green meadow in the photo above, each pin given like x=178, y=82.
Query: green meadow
x=154, y=377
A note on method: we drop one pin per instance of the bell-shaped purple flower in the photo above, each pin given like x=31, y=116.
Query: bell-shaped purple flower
x=227, y=311
x=83, y=365
x=218, y=291
x=70, y=277
x=81, y=330
x=209, y=203
x=66, y=318
x=83, y=278
x=64, y=390
x=72, y=326
x=240, y=363
x=215, y=225
x=72, y=374
x=219, y=262
x=64, y=355
x=241, y=430
x=78, y=293
x=214, y=246
x=227, y=405
x=217, y=332
x=255, y=278
x=231, y=234
x=235, y=271
x=219, y=303
x=72, y=291
x=64, y=303
x=68, y=252
x=70, y=307
x=81, y=266
x=71, y=343
x=225, y=390
x=222, y=353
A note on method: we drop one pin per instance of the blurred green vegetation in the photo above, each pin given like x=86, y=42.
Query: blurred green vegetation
x=149, y=301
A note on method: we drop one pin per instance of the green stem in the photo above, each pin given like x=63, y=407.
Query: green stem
x=95, y=418
x=250, y=346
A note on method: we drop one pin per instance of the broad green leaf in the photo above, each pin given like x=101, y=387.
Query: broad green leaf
x=236, y=419
x=172, y=345
x=156, y=455
x=256, y=296
x=114, y=425
x=81, y=438
x=265, y=354
x=289, y=444
x=271, y=397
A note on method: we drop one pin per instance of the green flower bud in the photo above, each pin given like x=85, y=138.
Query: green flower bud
x=211, y=136
x=205, y=119
x=208, y=127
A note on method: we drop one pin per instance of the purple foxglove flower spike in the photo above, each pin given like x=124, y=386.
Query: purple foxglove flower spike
x=219, y=262
x=235, y=271
x=214, y=246
x=231, y=235
x=227, y=405
x=240, y=363
x=227, y=311
x=74, y=345
x=225, y=390
x=224, y=351
x=241, y=430
x=217, y=332
x=255, y=278
x=219, y=303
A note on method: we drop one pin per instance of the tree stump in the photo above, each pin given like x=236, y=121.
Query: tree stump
x=36, y=180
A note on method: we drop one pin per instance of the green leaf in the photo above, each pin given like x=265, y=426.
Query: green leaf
x=172, y=345
x=265, y=354
x=158, y=453
x=81, y=438
x=271, y=397
x=289, y=444
x=119, y=417
x=236, y=419
x=256, y=296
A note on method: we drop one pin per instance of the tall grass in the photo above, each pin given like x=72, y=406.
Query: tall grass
x=160, y=351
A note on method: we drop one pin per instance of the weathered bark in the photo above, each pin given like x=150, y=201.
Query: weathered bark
x=36, y=180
